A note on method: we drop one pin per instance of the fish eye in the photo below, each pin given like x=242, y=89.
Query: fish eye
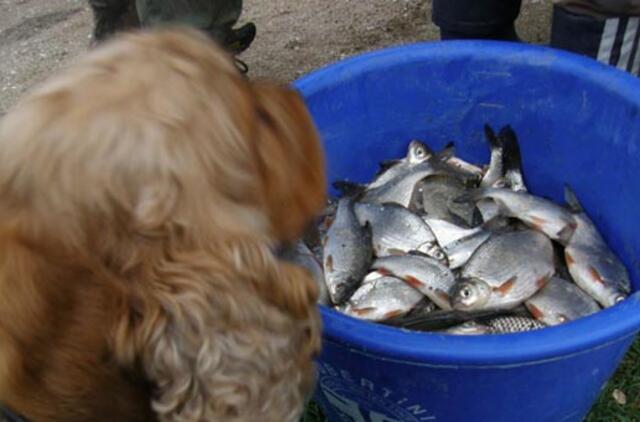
x=465, y=293
x=420, y=152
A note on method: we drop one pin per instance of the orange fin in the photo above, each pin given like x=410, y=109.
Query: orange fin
x=596, y=275
x=535, y=311
x=506, y=287
x=413, y=282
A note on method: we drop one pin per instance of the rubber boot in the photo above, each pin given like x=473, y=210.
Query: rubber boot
x=111, y=16
x=613, y=41
x=476, y=19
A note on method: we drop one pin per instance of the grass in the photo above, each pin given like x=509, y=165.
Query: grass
x=606, y=409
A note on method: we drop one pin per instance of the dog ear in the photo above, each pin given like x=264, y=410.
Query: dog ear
x=201, y=332
x=290, y=160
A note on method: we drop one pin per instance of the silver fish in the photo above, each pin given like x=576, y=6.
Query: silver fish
x=426, y=274
x=505, y=271
x=592, y=264
x=512, y=160
x=458, y=243
x=417, y=153
x=382, y=298
x=396, y=230
x=497, y=325
x=469, y=328
x=465, y=167
x=400, y=189
x=347, y=253
x=512, y=324
x=438, y=195
x=560, y=301
x=494, y=172
x=301, y=255
x=541, y=214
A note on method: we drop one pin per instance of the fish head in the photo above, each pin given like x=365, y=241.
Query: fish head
x=434, y=250
x=418, y=152
x=470, y=294
x=340, y=292
x=614, y=298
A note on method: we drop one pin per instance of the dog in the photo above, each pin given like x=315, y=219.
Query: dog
x=143, y=191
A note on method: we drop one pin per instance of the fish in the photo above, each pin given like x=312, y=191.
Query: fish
x=381, y=298
x=504, y=271
x=464, y=167
x=512, y=324
x=541, y=214
x=396, y=230
x=442, y=319
x=458, y=243
x=459, y=252
x=469, y=328
x=401, y=188
x=417, y=152
x=560, y=301
x=512, y=160
x=301, y=255
x=434, y=279
x=347, y=252
x=438, y=194
x=591, y=263
x=494, y=171
x=498, y=325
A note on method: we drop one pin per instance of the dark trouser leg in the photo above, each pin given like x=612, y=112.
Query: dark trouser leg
x=215, y=17
x=482, y=19
x=611, y=40
x=110, y=16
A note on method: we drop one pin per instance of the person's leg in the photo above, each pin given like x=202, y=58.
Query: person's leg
x=110, y=16
x=607, y=30
x=481, y=19
x=215, y=17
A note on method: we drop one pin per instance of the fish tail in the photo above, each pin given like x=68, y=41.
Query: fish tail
x=493, y=140
x=571, y=199
x=512, y=159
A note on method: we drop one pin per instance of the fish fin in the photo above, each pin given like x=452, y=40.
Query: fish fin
x=492, y=139
x=385, y=165
x=572, y=200
x=535, y=311
x=349, y=189
x=506, y=287
x=413, y=282
x=566, y=233
x=511, y=158
x=445, y=153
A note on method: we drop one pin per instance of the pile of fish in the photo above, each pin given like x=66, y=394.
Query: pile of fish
x=436, y=243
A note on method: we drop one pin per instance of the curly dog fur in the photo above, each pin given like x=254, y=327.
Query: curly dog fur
x=142, y=191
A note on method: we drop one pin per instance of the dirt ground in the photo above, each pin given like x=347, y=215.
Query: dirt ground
x=294, y=36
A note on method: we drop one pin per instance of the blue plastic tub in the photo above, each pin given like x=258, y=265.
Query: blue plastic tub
x=579, y=123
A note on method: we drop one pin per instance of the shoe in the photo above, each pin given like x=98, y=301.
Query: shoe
x=238, y=40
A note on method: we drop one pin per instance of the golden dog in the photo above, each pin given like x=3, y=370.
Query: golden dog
x=142, y=192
